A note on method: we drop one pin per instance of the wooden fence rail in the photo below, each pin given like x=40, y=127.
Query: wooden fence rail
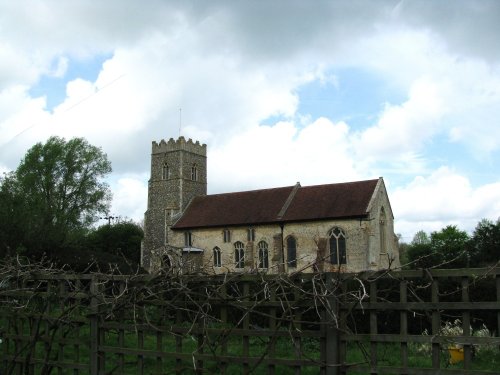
x=331, y=323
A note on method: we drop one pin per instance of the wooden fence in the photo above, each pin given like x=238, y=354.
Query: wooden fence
x=369, y=323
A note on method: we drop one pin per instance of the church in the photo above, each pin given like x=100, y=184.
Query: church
x=346, y=227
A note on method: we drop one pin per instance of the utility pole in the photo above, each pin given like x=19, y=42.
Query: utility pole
x=108, y=218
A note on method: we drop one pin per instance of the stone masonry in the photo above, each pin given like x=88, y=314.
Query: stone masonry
x=178, y=173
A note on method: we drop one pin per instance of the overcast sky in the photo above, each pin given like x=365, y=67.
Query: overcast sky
x=280, y=91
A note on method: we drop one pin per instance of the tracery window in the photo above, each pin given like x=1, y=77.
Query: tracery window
x=337, y=244
x=291, y=251
x=263, y=255
x=217, y=257
x=239, y=255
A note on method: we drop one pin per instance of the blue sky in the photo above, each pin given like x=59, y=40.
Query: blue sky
x=53, y=87
x=342, y=91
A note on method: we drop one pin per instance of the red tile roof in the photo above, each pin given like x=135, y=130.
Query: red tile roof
x=332, y=201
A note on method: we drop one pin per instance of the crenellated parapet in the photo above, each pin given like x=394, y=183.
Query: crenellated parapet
x=179, y=145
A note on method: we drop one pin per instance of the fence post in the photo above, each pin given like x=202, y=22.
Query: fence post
x=94, y=327
x=332, y=329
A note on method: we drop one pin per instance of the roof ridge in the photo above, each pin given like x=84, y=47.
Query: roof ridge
x=288, y=201
x=341, y=183
x=249, y=191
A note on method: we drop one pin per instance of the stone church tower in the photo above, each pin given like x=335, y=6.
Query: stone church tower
x=178, y=174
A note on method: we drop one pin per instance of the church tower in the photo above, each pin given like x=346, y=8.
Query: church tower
x=178, y=174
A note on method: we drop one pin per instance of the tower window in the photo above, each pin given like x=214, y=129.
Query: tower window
x=217, y=257
x=263, y=255
x=194, y=173
x=337, y=246
x=165, y=173
x=239, y=255
x=291, y=251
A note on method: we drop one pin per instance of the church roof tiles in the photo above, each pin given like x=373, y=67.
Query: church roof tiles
x=285, y=204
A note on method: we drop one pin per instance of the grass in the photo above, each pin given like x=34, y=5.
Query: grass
x=77, y=338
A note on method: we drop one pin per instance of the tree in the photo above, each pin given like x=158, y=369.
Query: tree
x=450, y=244
x=121, y=239
x=55, y=192
x=485, y=243
x=446, y=248
x=419, y=253
x=421, y=238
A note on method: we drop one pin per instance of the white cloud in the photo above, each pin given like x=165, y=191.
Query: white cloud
x=443, y=198
x=129, y=197
x=404, y=128
x=270, y=156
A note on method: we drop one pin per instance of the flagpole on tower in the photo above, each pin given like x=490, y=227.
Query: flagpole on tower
x=180, y=121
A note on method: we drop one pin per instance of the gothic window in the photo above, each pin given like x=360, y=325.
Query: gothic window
x=194, y=173
x=217, y=257
x=239, y=255
x=166, y=263
x=383, y=249
x=263, y=255
x=165, y=173
x=188, y=239
x=250, y=234
x=337, y=244
x=226, y=235
x=291, y=251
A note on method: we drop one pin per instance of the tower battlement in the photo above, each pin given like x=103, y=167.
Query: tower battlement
x=179, y=145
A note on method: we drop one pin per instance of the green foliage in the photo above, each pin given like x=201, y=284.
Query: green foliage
x=485, y=243
x=121, y=239
x=450, y=245
x=54, y=194
x=447, y=248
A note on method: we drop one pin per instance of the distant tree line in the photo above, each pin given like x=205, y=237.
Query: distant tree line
x=49, y=206
x=454, y=248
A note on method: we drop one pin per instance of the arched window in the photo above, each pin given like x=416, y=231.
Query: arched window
x=165, y=173
x=166, y=263
x=382, y=227
x=291, y=251
x=194, y=173
x=337, y=244
x=217, y=257
x=239, y=255
x=263, y=255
